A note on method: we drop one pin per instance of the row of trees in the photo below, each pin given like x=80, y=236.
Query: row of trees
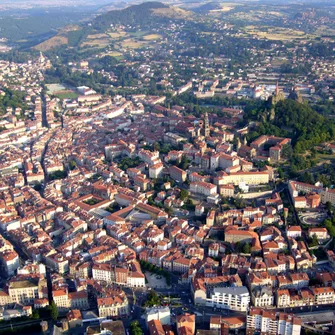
x=330, y=225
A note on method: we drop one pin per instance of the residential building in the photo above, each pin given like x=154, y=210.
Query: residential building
x=162, y=314
x=272, y=323
x=115, y=305
x=185, y=324
x=203, y=188
x=155, y=327
x=321, y=233
x=24, y=291
x=177, y=174
x=233, y=298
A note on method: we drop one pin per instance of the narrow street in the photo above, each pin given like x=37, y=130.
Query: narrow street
x=44, y=112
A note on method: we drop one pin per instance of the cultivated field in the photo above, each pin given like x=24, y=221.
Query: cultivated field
x=276, y=33
x=97, y=36
x=257, y=16
x=225, y=7
x=114, y=54
x=152, y=37
x=51, y=43
x=132, y=44
x=97, y=43
x=117, y=34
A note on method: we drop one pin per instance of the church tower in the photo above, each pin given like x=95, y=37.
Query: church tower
x=206, y=126
x=41, y=58
x=277, y=89
x=277, y=96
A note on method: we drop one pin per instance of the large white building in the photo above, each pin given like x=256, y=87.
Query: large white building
x=204, y=188
x=10, y=262
x=58, y=263
x=25, y=291
x=113, y=306
x=234, y=298
x=156, y=170
x=162, y=314
x=249, y=178
x=262, y=297
x=272, y=322
x=326, y=194
x=149, y=156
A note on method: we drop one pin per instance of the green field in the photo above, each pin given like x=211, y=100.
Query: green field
x=66, y=95
x=276, y=33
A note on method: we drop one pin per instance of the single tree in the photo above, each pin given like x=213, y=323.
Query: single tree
x=183, y=194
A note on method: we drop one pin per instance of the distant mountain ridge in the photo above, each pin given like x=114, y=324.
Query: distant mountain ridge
x=207, y=7
x=136, y=14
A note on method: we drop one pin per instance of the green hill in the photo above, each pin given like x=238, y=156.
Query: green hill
x=133, y=15
x=207, y=7
x=309, y=128
x=293, y=119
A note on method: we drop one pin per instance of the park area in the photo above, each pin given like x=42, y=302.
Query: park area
x=155, y=281
x=155, y=276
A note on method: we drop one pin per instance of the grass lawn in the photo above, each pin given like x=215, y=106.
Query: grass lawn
x=66, y=95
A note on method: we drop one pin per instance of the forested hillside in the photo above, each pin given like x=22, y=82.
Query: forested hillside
x=134, y=15
x=296, y=120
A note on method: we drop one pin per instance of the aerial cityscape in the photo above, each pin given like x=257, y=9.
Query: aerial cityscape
x=167, y=167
